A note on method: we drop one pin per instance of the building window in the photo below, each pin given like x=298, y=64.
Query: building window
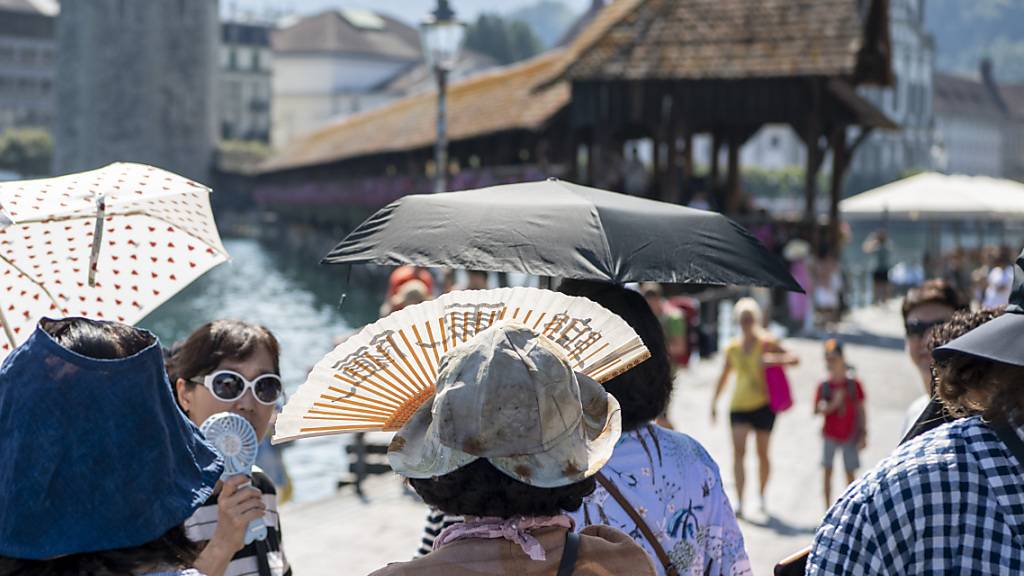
x=232, y=59
x=256, y=60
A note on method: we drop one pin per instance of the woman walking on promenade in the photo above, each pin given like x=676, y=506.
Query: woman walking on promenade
x=496, y=395
x=100, y=469
x=748, y=355
x=232, y=366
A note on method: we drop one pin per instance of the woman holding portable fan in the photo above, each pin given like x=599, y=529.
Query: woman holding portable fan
x=500, y=418
x=226, y=377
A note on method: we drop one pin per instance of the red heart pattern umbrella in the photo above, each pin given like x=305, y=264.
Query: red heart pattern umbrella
x=156, y=235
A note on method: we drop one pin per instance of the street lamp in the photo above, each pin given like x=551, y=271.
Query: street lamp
x=442, y=38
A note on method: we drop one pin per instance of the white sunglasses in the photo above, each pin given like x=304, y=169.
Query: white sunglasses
x=228, y=386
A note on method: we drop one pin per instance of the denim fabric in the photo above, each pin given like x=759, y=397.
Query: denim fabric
x=94, y=454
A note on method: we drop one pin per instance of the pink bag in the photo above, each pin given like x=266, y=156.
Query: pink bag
x=779, y=398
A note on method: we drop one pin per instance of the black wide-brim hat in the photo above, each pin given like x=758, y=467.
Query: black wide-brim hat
x=999, y=339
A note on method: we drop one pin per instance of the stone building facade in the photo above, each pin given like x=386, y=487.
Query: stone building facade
x=136, y=81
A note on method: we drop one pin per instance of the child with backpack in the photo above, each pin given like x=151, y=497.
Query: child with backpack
x=840, y=399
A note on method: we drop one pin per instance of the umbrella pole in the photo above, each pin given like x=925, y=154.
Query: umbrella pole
x=7, y=330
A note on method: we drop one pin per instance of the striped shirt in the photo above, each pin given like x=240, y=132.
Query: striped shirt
x=260, y=558
x=436, y=522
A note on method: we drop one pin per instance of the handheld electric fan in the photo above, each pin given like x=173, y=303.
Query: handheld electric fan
x=235, y=440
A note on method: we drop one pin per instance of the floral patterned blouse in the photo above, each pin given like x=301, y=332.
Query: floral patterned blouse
x=674, y=484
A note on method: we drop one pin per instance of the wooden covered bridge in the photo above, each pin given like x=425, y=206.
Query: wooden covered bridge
x=661, y=69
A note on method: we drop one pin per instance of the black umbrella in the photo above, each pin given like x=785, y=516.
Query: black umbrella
x=556, y=228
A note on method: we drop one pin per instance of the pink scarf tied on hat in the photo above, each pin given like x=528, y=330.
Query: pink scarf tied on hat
x=516, y=529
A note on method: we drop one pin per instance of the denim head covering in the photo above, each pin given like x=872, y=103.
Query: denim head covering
x=94, y=454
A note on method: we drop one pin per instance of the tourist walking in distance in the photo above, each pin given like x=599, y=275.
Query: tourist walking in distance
x=840, y=398
x=748, y=355
x=878, y=244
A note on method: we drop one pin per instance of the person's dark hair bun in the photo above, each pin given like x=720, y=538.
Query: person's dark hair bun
x=480, y=489
x=643, y=391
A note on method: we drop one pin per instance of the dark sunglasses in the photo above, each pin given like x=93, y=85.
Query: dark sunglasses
x=919, y=328
x=228, y=386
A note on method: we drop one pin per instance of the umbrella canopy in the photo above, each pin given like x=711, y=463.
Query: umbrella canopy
x=156, y=235
x=931, y=195
x=556, y=228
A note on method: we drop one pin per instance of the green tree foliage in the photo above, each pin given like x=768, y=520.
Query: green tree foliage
x=549, y=19
x=785, y=183
x=505, y=41
x=27, y=151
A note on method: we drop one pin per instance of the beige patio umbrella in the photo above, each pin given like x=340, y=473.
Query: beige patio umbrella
x=108, y=244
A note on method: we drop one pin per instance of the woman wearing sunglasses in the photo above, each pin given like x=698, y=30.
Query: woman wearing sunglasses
x=232, y=366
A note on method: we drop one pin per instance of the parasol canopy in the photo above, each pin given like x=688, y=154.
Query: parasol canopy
x=935, y=196
x=155, y=231
x=559, y=229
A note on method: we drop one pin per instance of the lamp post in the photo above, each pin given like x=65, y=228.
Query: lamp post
x=442, y=38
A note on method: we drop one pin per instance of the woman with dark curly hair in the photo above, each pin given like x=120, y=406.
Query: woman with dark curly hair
x=969, y=385
x=950, y=497
x=100, y=469
x=937, y=411
x=511, y=441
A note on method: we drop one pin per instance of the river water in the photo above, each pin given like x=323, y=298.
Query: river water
x=297, y=299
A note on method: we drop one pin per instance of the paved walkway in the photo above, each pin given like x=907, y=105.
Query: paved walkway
x=343, y=535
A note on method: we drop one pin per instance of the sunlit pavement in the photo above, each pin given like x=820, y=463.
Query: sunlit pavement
x=343, y=535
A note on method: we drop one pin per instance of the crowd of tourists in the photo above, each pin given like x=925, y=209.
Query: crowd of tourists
x=106, y=471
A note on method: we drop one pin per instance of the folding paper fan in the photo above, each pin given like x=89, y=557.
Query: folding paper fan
x=377, y=379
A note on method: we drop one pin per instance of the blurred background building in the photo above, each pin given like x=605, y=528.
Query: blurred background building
x=336, y=63
x=340, y=62
x=886, y=156
x=280, y=74
x=246, y=70
x=27, y=56
x=136, y=81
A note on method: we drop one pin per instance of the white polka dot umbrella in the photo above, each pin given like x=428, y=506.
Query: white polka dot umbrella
x=155, y=231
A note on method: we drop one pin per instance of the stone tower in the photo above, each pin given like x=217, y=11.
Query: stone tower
x=135, y=82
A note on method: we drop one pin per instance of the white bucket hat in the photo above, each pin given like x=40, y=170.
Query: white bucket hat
x=510, y=396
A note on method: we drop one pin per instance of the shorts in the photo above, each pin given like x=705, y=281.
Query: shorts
x=880, y=275
x=851, y=456
x=761, y=419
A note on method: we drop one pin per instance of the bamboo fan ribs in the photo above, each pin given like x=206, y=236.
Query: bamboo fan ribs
x=378, y=378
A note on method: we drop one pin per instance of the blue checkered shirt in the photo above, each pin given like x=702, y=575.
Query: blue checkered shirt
x=951, y=501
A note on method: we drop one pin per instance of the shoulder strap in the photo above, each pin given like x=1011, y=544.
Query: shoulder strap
x=262, y=563
x=659, y=551
x=569, y=553
x=1009, y=437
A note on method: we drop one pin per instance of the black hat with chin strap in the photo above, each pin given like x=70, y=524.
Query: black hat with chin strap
x=1000, y=339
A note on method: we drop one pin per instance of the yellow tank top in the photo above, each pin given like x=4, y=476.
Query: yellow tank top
x=750, y=392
